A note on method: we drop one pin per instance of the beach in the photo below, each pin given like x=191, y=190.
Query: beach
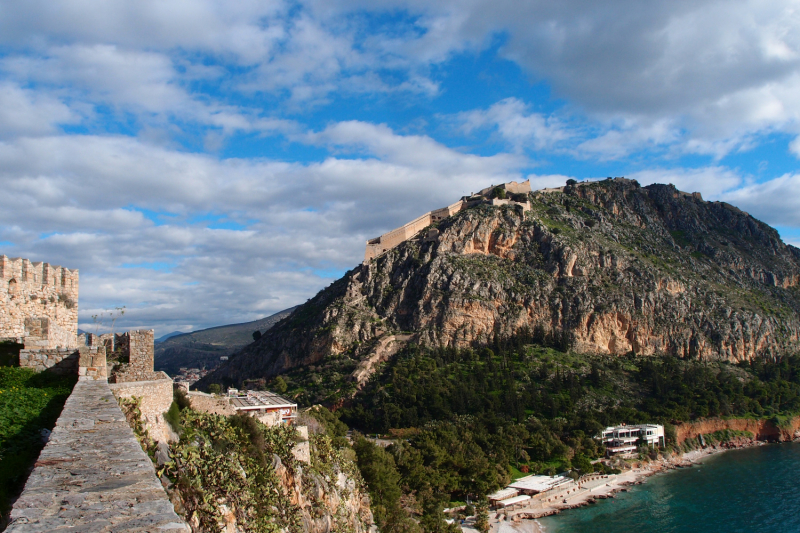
x=589, y=489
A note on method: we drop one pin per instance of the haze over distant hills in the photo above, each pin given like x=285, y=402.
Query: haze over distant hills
x=203, y=348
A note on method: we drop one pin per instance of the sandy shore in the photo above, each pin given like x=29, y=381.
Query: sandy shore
x=588, y=491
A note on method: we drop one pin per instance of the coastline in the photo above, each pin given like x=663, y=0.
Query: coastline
x=599, y=487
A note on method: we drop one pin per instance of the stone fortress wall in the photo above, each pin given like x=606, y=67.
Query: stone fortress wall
x=391, y=239
x=38, y=304
x=92, y=475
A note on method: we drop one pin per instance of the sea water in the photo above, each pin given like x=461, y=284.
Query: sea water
x=750, y=490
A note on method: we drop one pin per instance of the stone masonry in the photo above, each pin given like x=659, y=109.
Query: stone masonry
x=391, y=239
x=155, y=399
x=88, y=362
x=38, y=304
x=138, y=379
x=138, y=346
x=93, y=475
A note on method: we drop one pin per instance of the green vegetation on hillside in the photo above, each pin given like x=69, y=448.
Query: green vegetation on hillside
x=465, y=420
x=29, y=403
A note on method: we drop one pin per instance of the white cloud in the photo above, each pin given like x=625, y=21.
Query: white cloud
x=99, y=203
x=516, y=124
x=794, y=146
x=24, y=112
x=712, y=182
x=776, y=201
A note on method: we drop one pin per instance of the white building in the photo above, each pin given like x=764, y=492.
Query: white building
x=267, y=407
x=535, y=484
x=626, y=439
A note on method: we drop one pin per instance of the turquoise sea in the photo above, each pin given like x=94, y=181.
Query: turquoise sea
x=751, y=490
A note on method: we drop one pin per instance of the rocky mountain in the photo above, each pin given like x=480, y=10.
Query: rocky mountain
x=604, y=267
x=203, y=348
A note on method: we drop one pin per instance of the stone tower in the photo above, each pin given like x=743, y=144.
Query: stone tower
x=38, y=304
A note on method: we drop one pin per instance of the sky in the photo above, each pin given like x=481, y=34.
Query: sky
x=208, y=162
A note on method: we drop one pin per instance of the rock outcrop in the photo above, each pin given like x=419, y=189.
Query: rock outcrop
x=607, y=267
x=762, y=430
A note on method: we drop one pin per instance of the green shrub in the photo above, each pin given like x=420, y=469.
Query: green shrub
x=499, y=193
x=173, y=417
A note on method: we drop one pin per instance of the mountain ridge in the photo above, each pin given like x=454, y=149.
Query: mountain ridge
x=204, y=347
x=605, y=267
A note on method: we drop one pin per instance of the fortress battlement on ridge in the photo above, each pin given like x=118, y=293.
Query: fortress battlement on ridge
x=391, y=239
x=38, y=304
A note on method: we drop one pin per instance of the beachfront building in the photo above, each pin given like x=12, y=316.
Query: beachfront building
x=626, y=439
x=267, y=407
x=502, y=494
x=530, y=485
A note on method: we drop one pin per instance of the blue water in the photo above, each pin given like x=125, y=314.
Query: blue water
x=757, y=489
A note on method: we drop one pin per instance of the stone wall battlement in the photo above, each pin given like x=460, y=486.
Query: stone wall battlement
x=29, y=274
x=38, y=303
x=395, y=237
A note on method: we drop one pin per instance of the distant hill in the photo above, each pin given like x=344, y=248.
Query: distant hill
x=204, y=348
x=169, y=336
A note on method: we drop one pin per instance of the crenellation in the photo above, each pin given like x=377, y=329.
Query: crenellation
x=37, y=291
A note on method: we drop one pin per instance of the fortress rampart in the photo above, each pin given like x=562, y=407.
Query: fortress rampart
x=93, y=475
x=38, y=304
x=391, y=239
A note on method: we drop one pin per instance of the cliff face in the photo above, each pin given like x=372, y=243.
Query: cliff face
x=761, y=429
x=610, y=266
x=234, y=474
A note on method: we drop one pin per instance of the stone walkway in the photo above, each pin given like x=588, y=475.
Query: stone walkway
x=93, y=476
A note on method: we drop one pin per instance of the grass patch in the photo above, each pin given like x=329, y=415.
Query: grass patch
x=516, y=473
x=29, y=402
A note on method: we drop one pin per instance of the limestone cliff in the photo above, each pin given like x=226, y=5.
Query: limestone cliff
x=609, y=267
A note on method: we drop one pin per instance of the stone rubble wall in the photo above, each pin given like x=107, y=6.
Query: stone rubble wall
x=38, y=290
x=93, y=475
x=208, y=403
x=57, y=361
x=89, y=363
x=155, y=400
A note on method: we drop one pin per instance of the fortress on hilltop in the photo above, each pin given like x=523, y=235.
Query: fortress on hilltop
x=504, y=194
x=38, y=304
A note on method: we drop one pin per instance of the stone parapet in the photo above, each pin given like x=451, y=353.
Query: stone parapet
x=92, y=363
x=155, y=399
x=89, y=363
x=57, y=361
x=138, y=348
x=93, y=475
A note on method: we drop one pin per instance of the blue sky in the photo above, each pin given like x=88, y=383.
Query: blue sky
x=211, y=162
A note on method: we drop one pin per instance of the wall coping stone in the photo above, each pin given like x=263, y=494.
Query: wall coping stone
x=129, y=384
x=93, y=475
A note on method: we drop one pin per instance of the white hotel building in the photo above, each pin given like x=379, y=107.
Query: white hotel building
x=625, y=439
